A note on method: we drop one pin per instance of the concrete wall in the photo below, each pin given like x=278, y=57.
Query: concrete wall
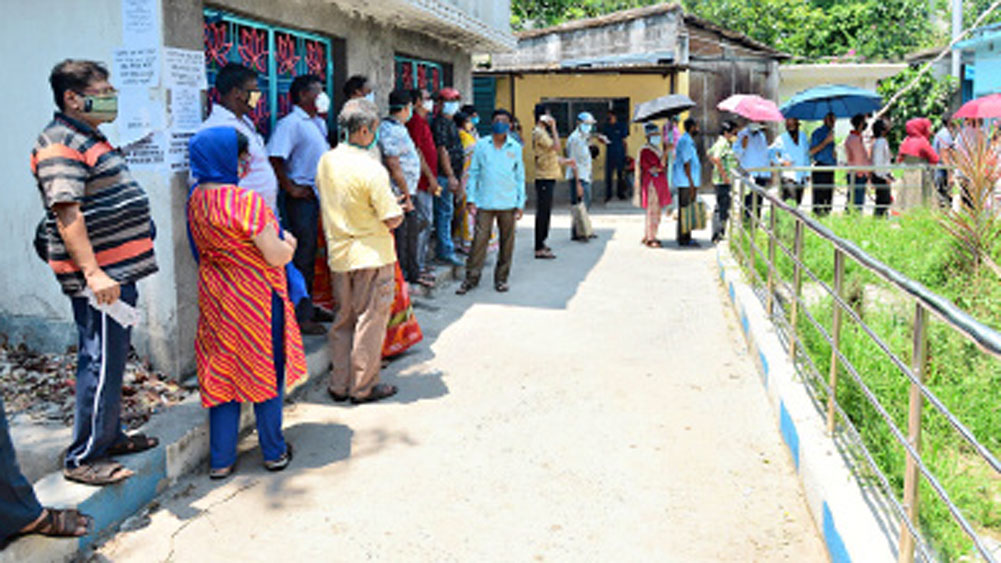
x=32, y=308
x=371, y=45
x=658, y=33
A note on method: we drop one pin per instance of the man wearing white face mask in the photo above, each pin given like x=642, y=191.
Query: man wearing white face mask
x=239, y=95
x=295, y=148
x=359, y=86
x=579, y=151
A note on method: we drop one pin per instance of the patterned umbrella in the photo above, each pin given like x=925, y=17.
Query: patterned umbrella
x=752, y=107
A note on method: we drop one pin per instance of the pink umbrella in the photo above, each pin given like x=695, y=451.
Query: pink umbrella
x=752, y=107
x=981, y=108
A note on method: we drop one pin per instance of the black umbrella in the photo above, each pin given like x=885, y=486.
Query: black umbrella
x=662, y=107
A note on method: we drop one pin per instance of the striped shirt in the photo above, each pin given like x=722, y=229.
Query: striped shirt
x=74, y=163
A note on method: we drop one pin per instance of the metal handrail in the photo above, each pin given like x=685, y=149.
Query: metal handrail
x=986, y=339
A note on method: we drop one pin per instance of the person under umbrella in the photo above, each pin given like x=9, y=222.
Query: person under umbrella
x=654, y=192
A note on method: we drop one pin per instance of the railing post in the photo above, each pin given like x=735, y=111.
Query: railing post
x=919, y=364
x=753, y=223
x=797, y=286
x=771, y=260
x=832, y=379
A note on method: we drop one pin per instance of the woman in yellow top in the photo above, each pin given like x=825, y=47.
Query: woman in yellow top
x=462, y=225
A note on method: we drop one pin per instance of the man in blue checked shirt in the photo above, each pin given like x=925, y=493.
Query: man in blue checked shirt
x=496, y=191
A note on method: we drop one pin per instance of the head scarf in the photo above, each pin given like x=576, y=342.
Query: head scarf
x=214, y=156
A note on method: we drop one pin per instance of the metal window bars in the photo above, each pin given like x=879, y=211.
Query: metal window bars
x=787, y=307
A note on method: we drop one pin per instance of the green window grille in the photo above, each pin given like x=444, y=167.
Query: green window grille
x=277, y=54
x=416, y=73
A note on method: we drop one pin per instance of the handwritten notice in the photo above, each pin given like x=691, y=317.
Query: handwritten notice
x=141, y=23
x=138, y=115
x=136, y=67
x=184, y=68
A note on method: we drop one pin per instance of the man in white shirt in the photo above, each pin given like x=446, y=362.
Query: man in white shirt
x=751, y=150
x=944, y=144
x=295, y=148
x=579, y=173
x=792, y=149
x=238, y=96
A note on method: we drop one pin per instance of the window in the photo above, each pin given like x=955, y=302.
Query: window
x=277, y=54
x=415, y=73
x=565, y=110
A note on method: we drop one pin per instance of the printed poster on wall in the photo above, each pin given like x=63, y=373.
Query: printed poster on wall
x=148, y=154
x=136, y=67
x=185, y=109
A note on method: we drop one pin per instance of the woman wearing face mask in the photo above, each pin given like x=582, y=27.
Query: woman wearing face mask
x=462, y=224
x=247, y=344
x=654, y=192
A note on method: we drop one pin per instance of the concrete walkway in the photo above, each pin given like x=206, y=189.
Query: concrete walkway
x=603, y=410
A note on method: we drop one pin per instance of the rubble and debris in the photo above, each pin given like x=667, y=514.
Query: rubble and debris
x=42, y=386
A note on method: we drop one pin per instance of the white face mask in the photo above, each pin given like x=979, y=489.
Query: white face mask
x=323, y=103
x=428, y=105
x=586, y=128
x=655, y=140
x=450, y=108
x=370, y=96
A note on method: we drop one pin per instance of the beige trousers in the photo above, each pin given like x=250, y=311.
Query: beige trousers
x=363, y=299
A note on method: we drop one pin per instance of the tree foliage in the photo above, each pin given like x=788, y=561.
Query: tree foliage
x=930, y=98
x=808, y=29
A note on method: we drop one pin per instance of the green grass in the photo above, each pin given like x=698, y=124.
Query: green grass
x=967, y=380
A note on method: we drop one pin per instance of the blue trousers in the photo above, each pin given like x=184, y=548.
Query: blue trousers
x=103, y=350
x=444, y=207
x=224, y=420
x=424, y=206
x=858, y=191
x=18, y=504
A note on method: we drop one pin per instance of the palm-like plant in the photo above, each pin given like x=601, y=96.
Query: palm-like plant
x=975, y=226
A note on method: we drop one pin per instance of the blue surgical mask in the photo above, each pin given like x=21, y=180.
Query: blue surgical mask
x=586, y=128
x=476, y=120
x=655, y=140
x=500, y=128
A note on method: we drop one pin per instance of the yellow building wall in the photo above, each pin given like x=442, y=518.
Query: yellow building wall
x=530, y=89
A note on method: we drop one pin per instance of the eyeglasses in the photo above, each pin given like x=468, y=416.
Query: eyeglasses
x=109, y=91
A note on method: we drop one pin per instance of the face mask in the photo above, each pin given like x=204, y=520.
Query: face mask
x=368, y=147
x=586, y=128
x=655, y=140
x=103, y=108
x=243, y=167
x=323, y=103
x=476, y=120
x=450, y=108
x=255, y=96
x=428, y=105
x=500, y=128
x=370, y=96
x=410, y=114
x=754, y=127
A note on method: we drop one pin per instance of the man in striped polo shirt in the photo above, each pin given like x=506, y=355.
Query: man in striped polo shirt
x=98, y=236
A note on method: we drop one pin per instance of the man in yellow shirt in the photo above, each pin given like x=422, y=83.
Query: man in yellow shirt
x=548, y=159
x=359, y=213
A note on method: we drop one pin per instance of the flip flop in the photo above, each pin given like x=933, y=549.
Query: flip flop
x=60, y=523
x=133, y=444
x=98, y=473
x=379, y=392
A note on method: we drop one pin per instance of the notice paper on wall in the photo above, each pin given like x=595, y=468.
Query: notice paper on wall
x=184, y=68
x=185, y=109
x=148, y=154
x=141, y=23
x=177, y=151
x=138, y=115
x=136, y=66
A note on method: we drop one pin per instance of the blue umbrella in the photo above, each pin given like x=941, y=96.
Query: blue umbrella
x=839, y=99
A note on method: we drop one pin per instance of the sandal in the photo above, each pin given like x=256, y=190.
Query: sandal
x=337, y=397
x=98, y=473
x=379, y=392
x=217, y=473
x=282, y=462
x=654, y=244
x=59, y=523
x=502, y=287
x=464, y=288
x=544, y=254
x=135, y=443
